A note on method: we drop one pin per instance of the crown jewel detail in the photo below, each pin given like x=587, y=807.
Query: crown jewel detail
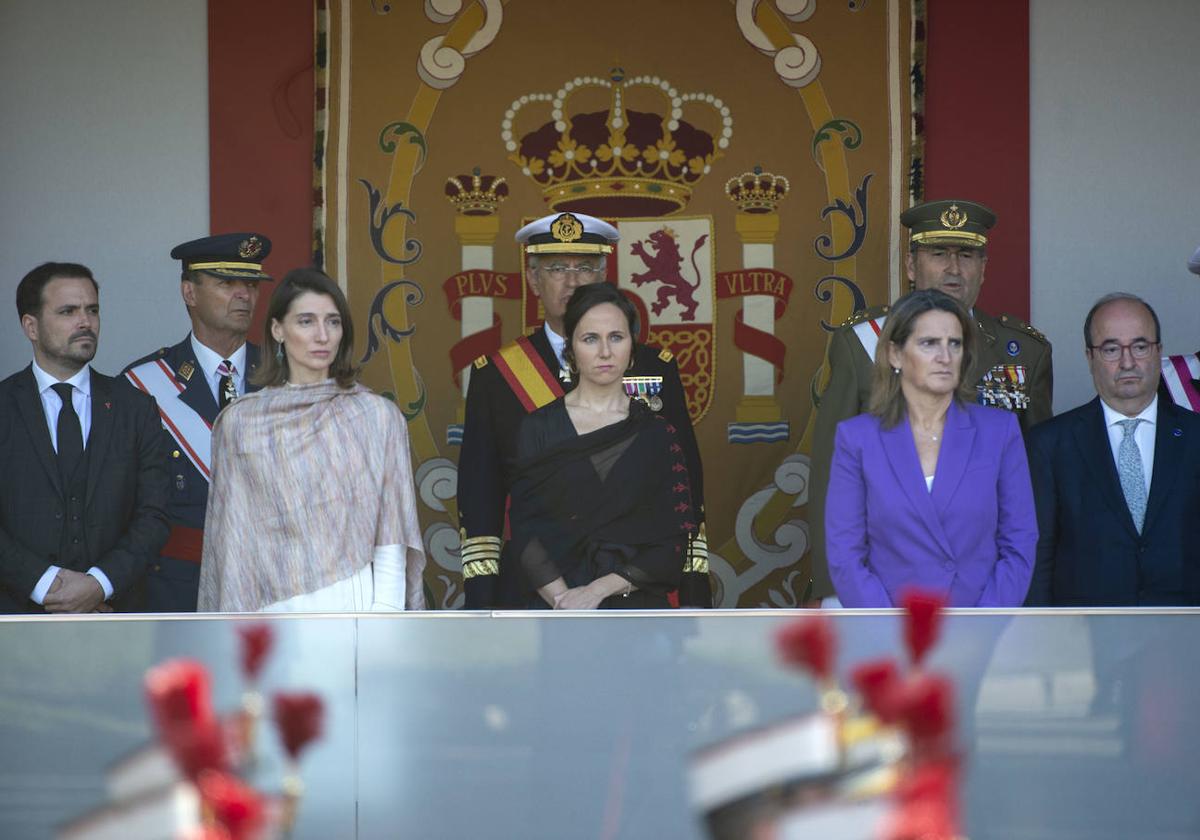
x=475, y=194
x=757, y=191
x=622, y=160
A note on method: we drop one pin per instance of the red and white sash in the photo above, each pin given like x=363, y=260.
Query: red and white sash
x=1178, y=373
x=191, y=431
x=868, y=334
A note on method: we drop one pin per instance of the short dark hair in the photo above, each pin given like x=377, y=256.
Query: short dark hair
x=591, y=295
x=273, y=369
x=887, y=399
x=33, y=285
x=1113, y=297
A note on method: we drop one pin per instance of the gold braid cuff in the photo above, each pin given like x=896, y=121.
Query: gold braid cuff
x=697, y=553
x=480, y=556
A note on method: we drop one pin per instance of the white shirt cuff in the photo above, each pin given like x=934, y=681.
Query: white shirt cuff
x=43, y=585
x=387, y=571
x=105, y=583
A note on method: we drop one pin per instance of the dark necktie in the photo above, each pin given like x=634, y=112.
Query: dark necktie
x=69, y=432
x=226, y=390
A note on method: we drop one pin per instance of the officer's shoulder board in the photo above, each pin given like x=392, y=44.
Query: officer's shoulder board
x=861, y=315
x=1020, y=326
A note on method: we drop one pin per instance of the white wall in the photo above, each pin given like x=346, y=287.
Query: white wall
x=104, y=154
x=1115, y=190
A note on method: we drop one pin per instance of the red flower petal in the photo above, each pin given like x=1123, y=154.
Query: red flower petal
x=879, y=684
x=257, y=640
x=927, y=712
x=808, y=643
x=298, y=718
x=181, y=706
x=235, y=805
x=178, y=693
x=923, y=621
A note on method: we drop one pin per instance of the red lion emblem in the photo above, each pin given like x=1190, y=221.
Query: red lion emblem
x=663, y=266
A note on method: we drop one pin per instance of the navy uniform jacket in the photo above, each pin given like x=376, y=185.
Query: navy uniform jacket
x=189, y=489
x=485, y=471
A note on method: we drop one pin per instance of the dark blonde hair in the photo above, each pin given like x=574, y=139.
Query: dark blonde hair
x=273, y=368
x=887, y=399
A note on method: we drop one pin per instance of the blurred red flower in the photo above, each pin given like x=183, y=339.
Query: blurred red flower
x=809, y=643
x=923, y=621
x=235, y=805
x=181, y=705
x=257, y=640
x=298, y=717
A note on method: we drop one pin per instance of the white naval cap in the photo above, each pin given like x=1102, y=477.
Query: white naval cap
x=568, y=233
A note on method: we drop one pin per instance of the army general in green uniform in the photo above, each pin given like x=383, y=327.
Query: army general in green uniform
x=1012, y=366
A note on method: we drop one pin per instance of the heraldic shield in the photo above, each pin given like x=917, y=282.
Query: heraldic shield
x=667, y=268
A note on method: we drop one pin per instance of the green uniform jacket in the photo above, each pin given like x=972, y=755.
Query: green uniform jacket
x=1002, y=341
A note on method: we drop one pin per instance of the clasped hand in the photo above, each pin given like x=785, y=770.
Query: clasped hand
x=75, y=592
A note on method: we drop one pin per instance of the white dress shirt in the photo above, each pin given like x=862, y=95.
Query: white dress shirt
x=557, y=344
x=1143, y=434
x=209, y=361
x=81, y=400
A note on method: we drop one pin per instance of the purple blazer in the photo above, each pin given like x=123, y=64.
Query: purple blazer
x=973, y=537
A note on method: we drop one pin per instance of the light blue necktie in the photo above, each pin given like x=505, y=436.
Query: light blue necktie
x=1133, y=476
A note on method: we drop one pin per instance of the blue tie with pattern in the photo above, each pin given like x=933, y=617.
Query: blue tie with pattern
x=1132, y=474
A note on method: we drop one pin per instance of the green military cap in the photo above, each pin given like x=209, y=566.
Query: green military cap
x=949, y=222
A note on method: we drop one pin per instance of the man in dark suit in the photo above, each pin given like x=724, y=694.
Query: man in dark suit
x=1117, y=481
x=192, y=381
x=563, y=250
x=83, y=479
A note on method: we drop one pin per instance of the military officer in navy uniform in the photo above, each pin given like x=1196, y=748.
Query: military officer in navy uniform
x=562, y=251
x=192, y=381
x=1012, y=367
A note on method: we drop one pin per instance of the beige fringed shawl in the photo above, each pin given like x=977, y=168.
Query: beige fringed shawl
x=306, y=481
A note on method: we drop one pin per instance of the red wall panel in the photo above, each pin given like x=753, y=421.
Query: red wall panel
x=260, y=96
x=977, y=130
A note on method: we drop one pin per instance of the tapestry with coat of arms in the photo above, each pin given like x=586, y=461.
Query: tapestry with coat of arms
x=754, y=154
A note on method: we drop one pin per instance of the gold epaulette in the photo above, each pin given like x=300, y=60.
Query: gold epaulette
x=1017, y=324
x=865, y=314
x=666, y=355
x=480, y=555
x=481, y=362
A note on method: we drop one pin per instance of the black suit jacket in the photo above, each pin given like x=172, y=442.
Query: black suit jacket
x=125, y=504
x=1089, y=551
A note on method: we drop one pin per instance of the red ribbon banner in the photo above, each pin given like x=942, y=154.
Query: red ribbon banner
x=748, y=339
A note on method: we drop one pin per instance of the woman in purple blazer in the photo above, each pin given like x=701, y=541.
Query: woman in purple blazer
x=928, y=489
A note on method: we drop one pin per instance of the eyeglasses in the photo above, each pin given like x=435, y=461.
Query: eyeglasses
x=560, y=272
x=1110, y=351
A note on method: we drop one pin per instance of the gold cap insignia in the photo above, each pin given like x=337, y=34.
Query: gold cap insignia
x=250, y=248
x=185, y=371
x=567, y=228
x=953, y=218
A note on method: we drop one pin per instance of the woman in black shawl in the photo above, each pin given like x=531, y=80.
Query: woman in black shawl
x=601, y=505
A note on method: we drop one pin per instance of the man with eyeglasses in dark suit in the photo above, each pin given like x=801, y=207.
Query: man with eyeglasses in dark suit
x=562, y=251
x=1116, y=482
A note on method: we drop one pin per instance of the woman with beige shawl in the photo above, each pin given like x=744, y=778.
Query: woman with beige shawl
x=312, y=506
